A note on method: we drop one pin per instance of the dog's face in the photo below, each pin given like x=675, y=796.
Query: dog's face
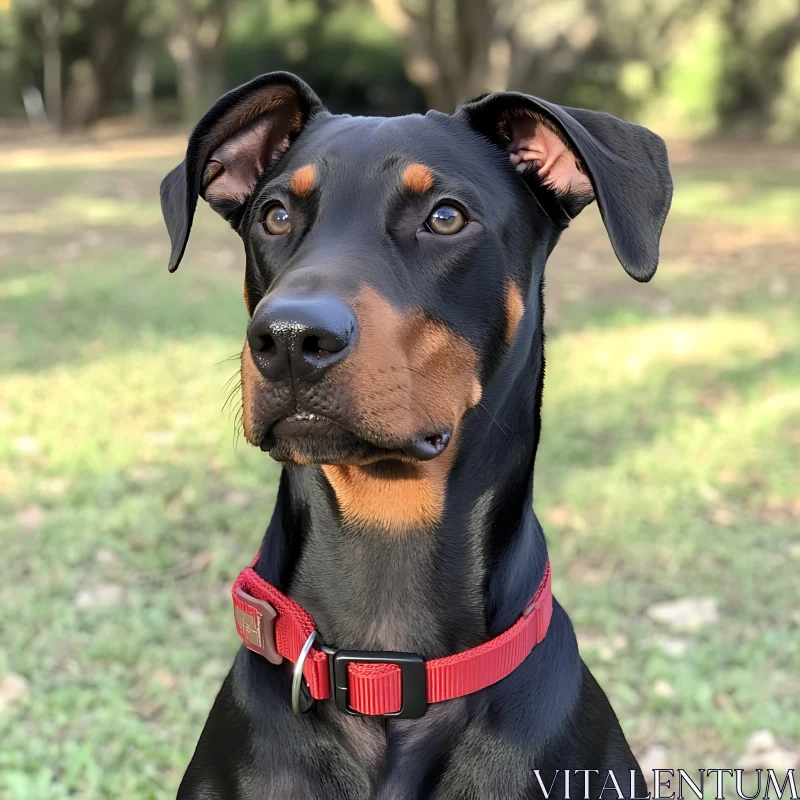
x=391, y=262
x=373, y=229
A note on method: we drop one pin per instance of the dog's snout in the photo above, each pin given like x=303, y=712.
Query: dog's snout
x=300, y=336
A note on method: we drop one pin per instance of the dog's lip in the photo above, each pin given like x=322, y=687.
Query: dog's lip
x=426, y=448
x=306, y=424
x=300, y=425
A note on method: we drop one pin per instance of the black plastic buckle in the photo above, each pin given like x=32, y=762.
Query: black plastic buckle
x=412, y=668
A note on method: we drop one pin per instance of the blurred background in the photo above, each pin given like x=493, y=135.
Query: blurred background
x=668, y=479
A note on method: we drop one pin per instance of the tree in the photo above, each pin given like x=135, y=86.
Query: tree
x=757, y=49
x=84, y=52
x=51, y=21
x=197, y=44
x=456, y=50
x=105, y=43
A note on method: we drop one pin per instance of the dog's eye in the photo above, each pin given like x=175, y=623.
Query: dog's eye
x=446, y=220
x=276, y=221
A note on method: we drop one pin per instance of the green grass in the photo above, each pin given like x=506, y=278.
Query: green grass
x=764, y=197
x=668, y=470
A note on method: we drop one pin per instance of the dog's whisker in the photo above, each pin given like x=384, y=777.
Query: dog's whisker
x=424, y=409
x=238, y=428
x=233, y=392
x=504, y=431
x=229, y=358
x=227, y=383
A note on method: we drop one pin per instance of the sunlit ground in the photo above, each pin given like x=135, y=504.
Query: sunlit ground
x=668, y=470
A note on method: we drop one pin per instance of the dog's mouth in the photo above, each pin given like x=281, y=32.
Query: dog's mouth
x=307, y=438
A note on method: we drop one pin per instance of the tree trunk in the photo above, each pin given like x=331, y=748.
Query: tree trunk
x=453, y=49
x=213, y=44
x=753, y=69
x=96, y=80
x=198, y=47
x=51, y=64
x=142, y=86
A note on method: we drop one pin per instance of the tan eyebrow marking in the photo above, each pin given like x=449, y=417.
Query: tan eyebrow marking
x=303, y=180
x=417, y=178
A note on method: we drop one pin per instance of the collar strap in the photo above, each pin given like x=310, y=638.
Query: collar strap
x=381, y=683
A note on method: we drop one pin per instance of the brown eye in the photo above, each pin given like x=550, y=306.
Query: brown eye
x=446, y=220
x=276, y=221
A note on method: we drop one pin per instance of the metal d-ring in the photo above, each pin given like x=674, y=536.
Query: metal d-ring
x=297, y=677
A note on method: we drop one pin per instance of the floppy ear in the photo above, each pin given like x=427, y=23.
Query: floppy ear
x=244, y=133
x=577, y=156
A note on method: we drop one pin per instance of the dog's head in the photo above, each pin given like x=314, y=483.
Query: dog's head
x=391, y=263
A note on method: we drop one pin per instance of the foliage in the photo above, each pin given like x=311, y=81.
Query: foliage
x=695, y=68
x=786, y=123
x=351, y=59
x=692, y=82
x=193, y=50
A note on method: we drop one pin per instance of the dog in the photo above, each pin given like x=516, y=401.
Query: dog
x=394, y=364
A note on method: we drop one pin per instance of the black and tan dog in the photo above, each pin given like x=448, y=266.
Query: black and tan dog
x=394, y=364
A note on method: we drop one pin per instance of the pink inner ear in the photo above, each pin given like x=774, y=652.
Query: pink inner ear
x=533, y=141
x=234, y=167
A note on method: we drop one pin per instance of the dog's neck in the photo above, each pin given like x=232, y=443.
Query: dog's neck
x=437, y=590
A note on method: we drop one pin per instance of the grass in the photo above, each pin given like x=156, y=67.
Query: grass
x=668, y=470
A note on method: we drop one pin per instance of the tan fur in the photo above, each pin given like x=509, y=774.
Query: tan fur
x=406, y=374
x=267, y=100
x=252, y=382
x=246, y=294
x=392, y=504
x=515, y=308
x=411, y=496
x=417, y=178
x=303, y=180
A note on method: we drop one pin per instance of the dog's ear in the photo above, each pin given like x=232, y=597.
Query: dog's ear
x=575, y=156
x=243, y=133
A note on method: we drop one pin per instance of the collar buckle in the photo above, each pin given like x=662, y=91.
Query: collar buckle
x=412, y=675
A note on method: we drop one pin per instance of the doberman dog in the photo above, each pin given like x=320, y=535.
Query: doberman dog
x=393, y=364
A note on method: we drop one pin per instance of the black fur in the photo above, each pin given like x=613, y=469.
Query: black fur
x=431, y=592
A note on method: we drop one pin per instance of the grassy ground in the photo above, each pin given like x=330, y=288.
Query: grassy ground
x=668, y=470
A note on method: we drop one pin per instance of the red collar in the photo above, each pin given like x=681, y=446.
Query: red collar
x=380, y=683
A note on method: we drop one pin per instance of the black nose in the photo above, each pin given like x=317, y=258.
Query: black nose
x=300, y=335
